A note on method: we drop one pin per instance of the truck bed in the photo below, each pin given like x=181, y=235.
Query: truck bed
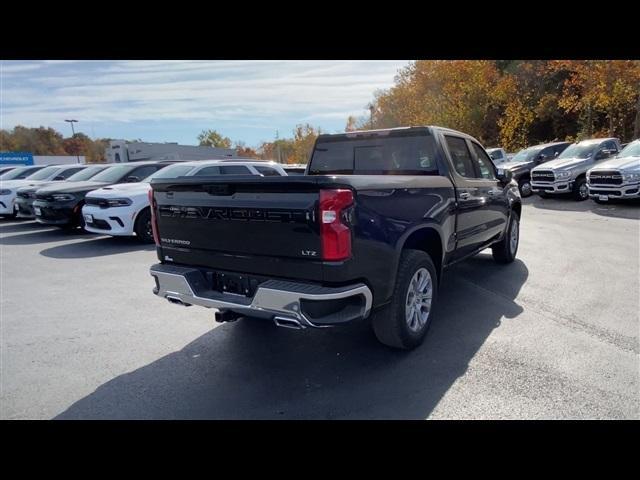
x=270, y=226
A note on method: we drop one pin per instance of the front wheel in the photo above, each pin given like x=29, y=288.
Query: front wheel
x=505, y=250
x=525, y=188
x=404, y=322
x=581, y=190
x=143, y=228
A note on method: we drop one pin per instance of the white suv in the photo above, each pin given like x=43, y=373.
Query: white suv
x=123, y=209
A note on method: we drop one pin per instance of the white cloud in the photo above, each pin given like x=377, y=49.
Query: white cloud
x=41, y=93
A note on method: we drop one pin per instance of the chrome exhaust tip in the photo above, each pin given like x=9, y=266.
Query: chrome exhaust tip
x=177, y=301
x=288, y=323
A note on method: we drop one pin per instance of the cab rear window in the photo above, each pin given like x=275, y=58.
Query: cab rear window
x=376, y=155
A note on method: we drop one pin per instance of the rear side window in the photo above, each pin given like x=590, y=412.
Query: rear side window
x=460, y=156
x=267, y=171
x=234, y=170
x=378, y=155
x=143, y=172
x=207, y=171
x=67, y=173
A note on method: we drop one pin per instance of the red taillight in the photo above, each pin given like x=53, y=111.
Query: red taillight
x=334, y=233
x=154, y=220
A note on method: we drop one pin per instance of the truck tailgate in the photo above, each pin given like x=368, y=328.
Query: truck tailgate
x=238, y=216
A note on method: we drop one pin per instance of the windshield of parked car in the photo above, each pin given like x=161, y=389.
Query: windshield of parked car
x=527, y=154
x=44, y=174
x=113, y=174
x=85, y=174
x=17, y=173
x=631, y=150
x=579, y=150
x=376, y=155
x=172, y=171
x=494, y=153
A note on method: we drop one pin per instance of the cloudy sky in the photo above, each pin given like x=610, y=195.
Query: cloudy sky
x=165, y=101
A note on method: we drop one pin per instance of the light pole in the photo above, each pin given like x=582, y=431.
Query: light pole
x=73, y=132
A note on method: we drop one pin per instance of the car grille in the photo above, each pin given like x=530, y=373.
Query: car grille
x=98, y=202
x=26, y=194
x=42, y=196
x=543, y=176
x=605, y=192
x=605, y=177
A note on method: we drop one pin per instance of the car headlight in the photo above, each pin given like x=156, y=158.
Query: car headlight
x=631, y=177
x=63, y=197
x=563, y=174
x=5, y=191
x=119, y=202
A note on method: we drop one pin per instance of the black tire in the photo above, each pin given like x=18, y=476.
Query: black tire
x=580, y=190
x=143, y=227
x=524, y=185
x=390, y=324
x=10, y=216
x=504, y=251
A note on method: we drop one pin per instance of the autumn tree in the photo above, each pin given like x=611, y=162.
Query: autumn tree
x=352, y=123
x=456, y=94
x=304, y=137
x=212, y=138
x=244, y=151
x=604, y=93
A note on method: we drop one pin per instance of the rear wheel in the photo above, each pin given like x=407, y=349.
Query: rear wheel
x=505, y=250
x=404, y=322
x=581, y=190
x=143, y=228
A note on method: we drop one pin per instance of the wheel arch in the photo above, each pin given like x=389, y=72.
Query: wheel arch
x=427, y=238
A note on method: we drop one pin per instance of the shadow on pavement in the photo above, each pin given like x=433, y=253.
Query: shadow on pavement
x=17, y=226
x=97, y=247
x=33, y=233
x=613, y=208
x=253, y=370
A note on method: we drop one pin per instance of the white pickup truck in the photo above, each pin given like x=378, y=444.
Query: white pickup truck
x=618, y=178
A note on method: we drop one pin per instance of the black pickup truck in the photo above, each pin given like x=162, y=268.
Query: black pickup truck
x=365, y=233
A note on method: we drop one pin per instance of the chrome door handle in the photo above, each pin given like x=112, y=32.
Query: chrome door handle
x=464, y=196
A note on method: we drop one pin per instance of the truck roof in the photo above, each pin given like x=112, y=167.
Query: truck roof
x=598, y=140
x=392, y=131
x=220, y=161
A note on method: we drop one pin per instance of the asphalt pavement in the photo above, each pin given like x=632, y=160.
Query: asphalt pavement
x=554, y=335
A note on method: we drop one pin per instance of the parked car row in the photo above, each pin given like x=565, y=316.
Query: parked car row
x=107, y=199
x=598, y=168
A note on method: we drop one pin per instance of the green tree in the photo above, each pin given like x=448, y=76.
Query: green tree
x=213, y=138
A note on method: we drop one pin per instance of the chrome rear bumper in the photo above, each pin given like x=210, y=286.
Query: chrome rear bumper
x=273, y=299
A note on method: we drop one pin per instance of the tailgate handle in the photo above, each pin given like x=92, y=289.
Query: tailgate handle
x=218, y=189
